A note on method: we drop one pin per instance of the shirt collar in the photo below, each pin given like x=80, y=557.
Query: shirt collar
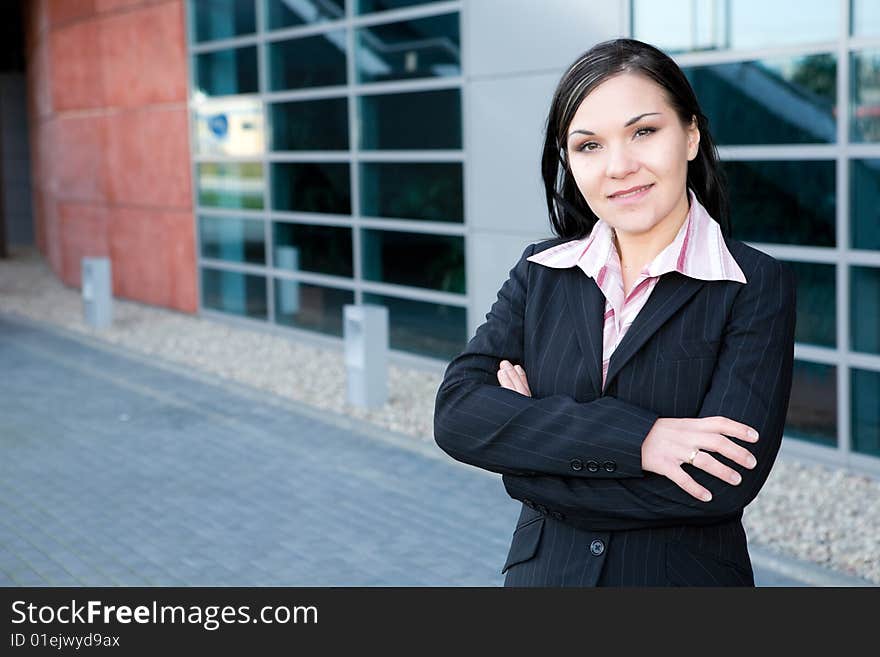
x=698, y=250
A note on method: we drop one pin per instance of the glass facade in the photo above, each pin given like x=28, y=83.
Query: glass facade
x=798, y=132
x=328, y=163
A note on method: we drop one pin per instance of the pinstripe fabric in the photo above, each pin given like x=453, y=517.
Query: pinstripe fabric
x=696, y=348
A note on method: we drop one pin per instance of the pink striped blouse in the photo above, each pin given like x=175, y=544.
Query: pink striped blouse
x=698, y=251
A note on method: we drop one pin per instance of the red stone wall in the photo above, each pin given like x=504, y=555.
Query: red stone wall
x=109, y=143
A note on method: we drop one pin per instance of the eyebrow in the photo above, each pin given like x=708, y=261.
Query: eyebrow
x=625, y=125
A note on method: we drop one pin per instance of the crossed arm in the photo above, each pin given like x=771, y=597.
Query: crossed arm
x=529, y=441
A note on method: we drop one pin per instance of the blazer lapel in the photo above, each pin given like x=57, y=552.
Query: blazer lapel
x=587, y=305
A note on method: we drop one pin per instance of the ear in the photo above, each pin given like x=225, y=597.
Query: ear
x=693, y=139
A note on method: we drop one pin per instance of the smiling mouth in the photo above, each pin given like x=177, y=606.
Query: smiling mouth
x=634, y=192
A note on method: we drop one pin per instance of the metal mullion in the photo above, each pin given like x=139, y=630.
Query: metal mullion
x=353, y=147
x=415, y=294
x=263, y=87
x=237, y=213
x=226, y=159
x=313, y=278
x=863, y=257
x=309, y=156
x=237, y=267
x=302, y=31
x=864, y=150
x=413, y=226
x=708, y=58
x=311, y=219
x=864, y=361
x=193, y=165
x=405, y=86
x=420, y=155
x=842, y=234
x=864, y=43
x=224, y=44
x=780, y=152
x=317, y=93
x=406, y=13
x=812, y=254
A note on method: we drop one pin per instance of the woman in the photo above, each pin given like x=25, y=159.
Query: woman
x=632, y=379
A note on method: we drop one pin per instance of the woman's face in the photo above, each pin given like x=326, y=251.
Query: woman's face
x=625, y=135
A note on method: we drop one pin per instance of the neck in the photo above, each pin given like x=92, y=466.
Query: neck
x=638, y=249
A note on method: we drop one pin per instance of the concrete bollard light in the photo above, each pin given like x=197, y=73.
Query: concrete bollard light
x=97, y=292
x=365, y=329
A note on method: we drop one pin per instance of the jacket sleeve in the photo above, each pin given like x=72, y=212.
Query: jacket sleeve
x=479, y=422
x=751, y=384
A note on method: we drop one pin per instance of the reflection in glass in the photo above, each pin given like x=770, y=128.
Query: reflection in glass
x=424, y=47
x=864, y=190
x=865, y=418
x=412, y=190
x=231, y=184
x=320, y=249
x=311, y=187
x=367, y=6
x=785, y=202
x=310, y=125
x=311, y=307
x=232, y=126
x=423, y=120
x=812, y=409
x=816, y=303
x=864, y=289
x=287, y=13
x=416, y=259
x=687, y=25
x=225, y=72
x=429, y=329
x=315, y=61
x=221, y=19
x=865, y=119
x=236, y=240
x=865, y=17
x=234, y=292
x=780, y=101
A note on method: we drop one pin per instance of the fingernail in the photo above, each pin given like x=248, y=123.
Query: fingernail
x=519, y=369
x=753, y=434
x=735, y=479
x=707, y=497
x=752, y=462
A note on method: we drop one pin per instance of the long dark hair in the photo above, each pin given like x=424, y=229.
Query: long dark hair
x=570, y=216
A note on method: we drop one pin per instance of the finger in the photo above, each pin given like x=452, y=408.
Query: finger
x=688, y=485
x=512, y=381
x=504, y=380
x=734, y=429
x=737, y=453
x=522, y=377
x=713, y=466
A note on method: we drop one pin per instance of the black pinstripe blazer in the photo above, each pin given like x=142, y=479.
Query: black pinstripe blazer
x=572, y=452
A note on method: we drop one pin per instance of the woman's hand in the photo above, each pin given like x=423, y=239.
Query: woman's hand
x=513, y=378
x=672, y=440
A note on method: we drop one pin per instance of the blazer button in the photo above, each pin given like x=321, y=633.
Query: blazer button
x=577, y=465
x=592, y=466
x=597, y=547
x=610, y=466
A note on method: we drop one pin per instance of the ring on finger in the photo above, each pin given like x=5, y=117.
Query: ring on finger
x=691, y=458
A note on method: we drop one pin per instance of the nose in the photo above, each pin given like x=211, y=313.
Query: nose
x=619, y=162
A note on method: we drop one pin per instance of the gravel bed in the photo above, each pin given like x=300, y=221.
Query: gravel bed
x=819, y=514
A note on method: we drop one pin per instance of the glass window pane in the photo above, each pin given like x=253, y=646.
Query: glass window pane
x=222, y=19
x=864, y=190
x=226, y=72
x=865, y=422
x=316, y=61
x=312, y=307
x=783, y=202
x=231, y=184
x=229, y=127
x=234, y=292
x=413, y=190
x=311, y=187
x=320, y=249
x=367, y=6
x=686, y=25
x=424, y=328
x=812, y=409
x=425, y=47
x=865, y=17
x=424, y=120
x=816, y=303
x=311, y=125
x=778, y=101
x=417, y=259
x=865, y=118
x=284, y=13
x=864, y=303
x=236, y=240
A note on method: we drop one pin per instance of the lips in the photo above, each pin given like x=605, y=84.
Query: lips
x=631, y=190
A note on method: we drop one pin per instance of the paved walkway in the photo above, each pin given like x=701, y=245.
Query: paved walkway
x=118, y=471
